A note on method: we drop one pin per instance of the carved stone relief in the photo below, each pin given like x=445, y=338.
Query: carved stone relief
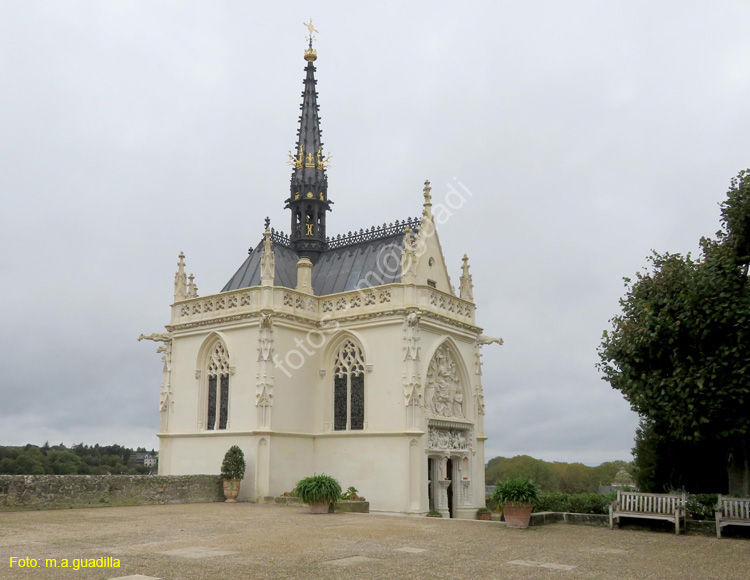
x=449, y=439
x=445, y=392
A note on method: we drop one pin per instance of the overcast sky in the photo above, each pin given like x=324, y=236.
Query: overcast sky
x=588, y=133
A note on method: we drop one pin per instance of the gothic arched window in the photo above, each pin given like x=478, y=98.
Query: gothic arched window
x=218, y=387
x=349, y=388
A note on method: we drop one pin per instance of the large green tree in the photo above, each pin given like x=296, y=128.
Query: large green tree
x=680, y=350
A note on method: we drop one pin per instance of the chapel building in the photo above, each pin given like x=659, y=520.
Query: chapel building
x=348, y=355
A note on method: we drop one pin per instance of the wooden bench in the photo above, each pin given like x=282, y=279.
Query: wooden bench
x=732, y=511
x=652, y=506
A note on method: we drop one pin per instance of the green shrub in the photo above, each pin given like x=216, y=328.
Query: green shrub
x=577, y=503
x=233, y=466
x=483, y=510
x=318, y=489
x=516, y=489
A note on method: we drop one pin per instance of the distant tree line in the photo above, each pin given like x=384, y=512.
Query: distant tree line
x=79, y=459
x=558, y=476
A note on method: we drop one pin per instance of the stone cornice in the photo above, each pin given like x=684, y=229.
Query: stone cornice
x=308, y=435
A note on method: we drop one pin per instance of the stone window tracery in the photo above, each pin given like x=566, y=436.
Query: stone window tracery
x=218, y=388
x=349, y=388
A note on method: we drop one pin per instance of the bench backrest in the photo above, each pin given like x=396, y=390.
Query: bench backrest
x=734, y=508
x=650, y=503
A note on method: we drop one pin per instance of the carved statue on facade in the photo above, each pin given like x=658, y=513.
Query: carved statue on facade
x=484, y=339
x=166, y=350
x=411, y=336
x=409, y=256
x=266, y=336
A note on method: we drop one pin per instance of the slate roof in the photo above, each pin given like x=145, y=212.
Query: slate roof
x=361, y=264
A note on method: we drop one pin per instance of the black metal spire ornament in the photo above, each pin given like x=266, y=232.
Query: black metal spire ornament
x=308, y=200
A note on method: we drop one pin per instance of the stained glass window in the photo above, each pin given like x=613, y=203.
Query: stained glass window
x=358, y=402
x=218, y=388
x=339, y=403
x=211, y=403
x=349, y=388
x=224, y=401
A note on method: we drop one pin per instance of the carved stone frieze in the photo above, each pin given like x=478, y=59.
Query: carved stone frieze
x=449, y=438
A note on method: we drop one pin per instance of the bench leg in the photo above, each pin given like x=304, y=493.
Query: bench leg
x=718, y=529
x=677, y=525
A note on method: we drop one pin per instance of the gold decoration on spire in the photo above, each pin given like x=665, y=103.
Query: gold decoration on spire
x=323, y=162
x=310, y=54
x=296, y=162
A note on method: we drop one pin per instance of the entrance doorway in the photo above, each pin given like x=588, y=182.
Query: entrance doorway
x=430, y=479
x=449, y=475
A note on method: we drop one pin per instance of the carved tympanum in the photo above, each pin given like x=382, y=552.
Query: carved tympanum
x=444, y=386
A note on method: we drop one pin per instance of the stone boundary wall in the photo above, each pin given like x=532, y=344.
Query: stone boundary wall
x=46, y=492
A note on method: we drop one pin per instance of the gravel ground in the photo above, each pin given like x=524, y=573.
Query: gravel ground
x=270, y=542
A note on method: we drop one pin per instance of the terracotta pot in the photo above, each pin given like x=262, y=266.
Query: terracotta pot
x=319, y=508
x=517, y=515
x=231, y=490
x=485, y=517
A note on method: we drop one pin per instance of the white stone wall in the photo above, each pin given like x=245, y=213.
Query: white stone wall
x=289, y=436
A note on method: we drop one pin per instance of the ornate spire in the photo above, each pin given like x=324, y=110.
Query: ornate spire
x=467, y=286
x=308, y=198
x=180, y=280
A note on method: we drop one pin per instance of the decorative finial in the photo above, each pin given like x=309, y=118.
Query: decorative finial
x=192, y=291
x=467, y=285
x=180, y=280
x=310, y=54
x=427, y=189
x=268, y=223
x=267, y=259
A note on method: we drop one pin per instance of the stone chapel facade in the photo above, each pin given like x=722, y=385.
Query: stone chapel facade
x=347, y=355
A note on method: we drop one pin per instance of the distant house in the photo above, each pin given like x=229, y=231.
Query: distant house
x=146, y=459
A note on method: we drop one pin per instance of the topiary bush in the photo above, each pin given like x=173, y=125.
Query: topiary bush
x=233, y=466
x=318, y=489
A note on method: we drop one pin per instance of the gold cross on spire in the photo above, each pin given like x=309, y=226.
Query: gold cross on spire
x=311, y=31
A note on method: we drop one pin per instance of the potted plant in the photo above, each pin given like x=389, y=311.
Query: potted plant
x=232, y=472
x=318, y=491
x=434, y=514
x=518, y=496
x=484, y=514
